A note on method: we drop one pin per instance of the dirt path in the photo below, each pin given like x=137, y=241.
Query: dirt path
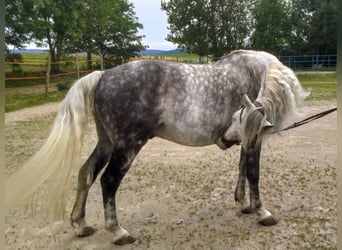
x=30, y=113
x=177, y=197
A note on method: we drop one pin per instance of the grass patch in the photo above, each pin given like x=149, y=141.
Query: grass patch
x=321, y=91
x=322, y=86
x=15, y=102
x=41, y=57
x=317, y=77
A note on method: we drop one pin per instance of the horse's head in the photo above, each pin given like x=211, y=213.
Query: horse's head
x=249, y=124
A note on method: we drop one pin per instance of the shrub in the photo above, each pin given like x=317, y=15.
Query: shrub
x=65, y=86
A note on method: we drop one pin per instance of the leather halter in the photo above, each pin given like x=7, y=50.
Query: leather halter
x=257, y=104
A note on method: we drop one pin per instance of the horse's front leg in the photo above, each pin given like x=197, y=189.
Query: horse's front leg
x=240, y=193
x=252, y=164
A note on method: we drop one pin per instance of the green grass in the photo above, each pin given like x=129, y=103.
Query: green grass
x=35, y=57
x=317, y=77
x=15, y=102
x=322, y=86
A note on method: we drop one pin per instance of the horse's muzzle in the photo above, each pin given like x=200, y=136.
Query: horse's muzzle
x=231, y=143
x=225, y=144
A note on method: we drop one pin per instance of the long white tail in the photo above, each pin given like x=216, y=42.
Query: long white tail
x=53, y=163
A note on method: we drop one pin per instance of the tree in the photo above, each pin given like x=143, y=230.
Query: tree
x=54, y=23
x=187, y=24
x=299, y=25
x=111, y=30
x=305, y=27
x=17, y=31
x=229, y=25
x=207, y=26
x=270, y=26
x=104, y=26
x=323, y=33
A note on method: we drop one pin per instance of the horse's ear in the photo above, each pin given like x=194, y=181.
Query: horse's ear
x=245, y=101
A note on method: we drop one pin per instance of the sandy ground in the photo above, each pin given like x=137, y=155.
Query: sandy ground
x=177, y=197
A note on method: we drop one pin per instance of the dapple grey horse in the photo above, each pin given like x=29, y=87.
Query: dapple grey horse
x=239, y=99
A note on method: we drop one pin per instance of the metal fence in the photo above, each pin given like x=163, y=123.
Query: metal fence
x=309, y=62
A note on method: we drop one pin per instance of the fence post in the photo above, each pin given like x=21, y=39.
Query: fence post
x=101, y=58
x=77, y=67
x=47, y=79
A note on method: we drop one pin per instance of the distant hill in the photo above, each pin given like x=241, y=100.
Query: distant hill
x=29, y=51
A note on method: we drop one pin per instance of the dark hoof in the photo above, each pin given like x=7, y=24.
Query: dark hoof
x=124, y=240
x=268, y=221
x=86, y=231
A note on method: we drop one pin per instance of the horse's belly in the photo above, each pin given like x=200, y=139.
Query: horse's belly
x=185, y=135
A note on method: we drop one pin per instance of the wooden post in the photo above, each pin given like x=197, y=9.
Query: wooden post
x=77, y=67
x=101, y=57
x=47, y=79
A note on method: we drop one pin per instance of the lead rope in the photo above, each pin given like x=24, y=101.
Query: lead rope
x=307, y=120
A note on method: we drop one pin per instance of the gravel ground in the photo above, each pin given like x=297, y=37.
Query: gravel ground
x=177, y=197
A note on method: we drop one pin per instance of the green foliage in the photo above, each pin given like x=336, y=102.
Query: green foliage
x=17, y=31
x=313, y=26
x=65, y=86
x=204, y=27
x=323, y=35
x=278, y=26
x=16, y=69
x=113, y=35
x=269, y=23
x=207, y=26
x=106, y=27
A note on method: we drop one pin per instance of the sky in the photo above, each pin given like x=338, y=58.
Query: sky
x=154, y=21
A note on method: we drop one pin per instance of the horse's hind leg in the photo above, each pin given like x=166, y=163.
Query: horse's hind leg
x=110, y=180
x=87, y=175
